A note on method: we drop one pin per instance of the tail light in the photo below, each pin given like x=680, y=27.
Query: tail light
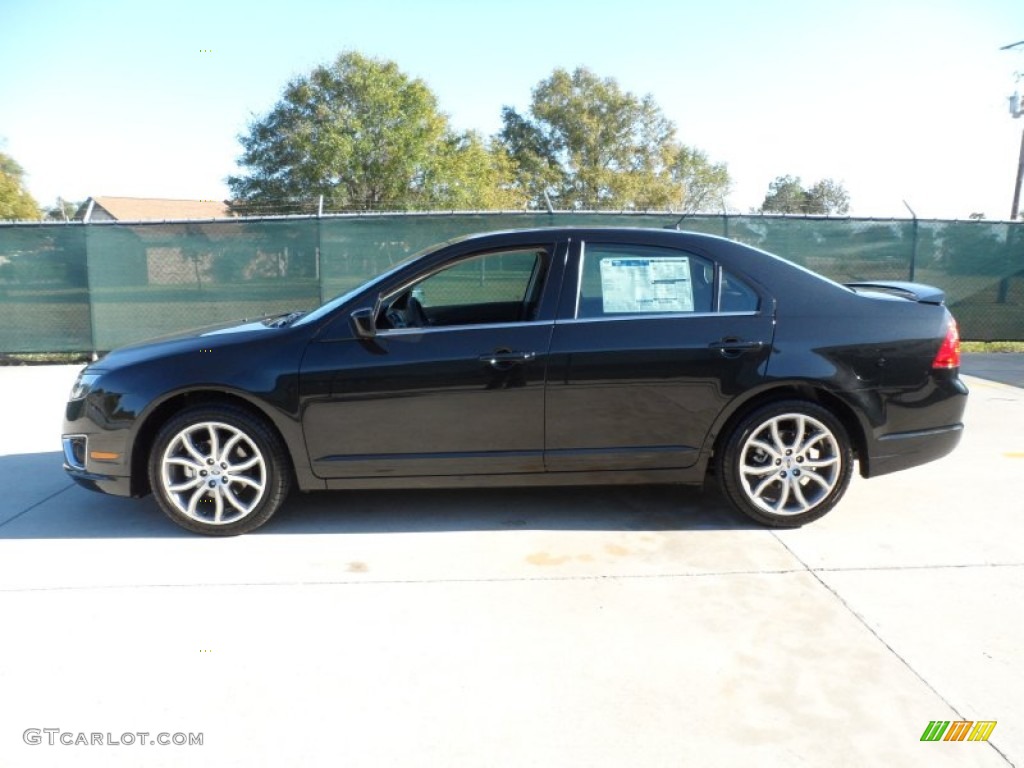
x=948, y=355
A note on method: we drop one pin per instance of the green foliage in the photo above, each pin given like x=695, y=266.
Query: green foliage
x=366, y=136
x=787, y=195
x=62, y=210
x=15, y=201
x=589, y=144
x=471, y=174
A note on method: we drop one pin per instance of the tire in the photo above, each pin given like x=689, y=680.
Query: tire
x=218, y=470
x=786, y=464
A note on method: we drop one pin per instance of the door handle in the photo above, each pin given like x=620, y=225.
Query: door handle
x=506, y=357
x=731, y=346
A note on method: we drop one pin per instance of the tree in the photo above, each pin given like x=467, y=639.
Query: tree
x=787, y=195
x=62, y=210
x=15, y=201
x=473, y=174
x=587, y=143
x=829, y=197
x=364, y=135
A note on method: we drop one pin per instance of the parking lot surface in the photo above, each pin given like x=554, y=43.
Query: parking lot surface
x=550, y=627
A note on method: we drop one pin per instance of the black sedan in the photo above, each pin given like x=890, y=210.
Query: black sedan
x=549, y=356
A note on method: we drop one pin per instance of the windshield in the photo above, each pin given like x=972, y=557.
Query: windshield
x=329, y=306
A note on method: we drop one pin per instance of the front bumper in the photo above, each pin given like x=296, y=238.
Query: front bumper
x=94, y=457
x=117, y=486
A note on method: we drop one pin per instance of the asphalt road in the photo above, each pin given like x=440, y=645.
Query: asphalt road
x=548, y=627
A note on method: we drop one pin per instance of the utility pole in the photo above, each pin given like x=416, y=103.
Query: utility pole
x=1016, y=110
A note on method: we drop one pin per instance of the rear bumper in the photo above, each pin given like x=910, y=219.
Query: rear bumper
x=910, y=449
x=917, y=425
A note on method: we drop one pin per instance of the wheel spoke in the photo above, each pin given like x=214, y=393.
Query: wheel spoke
x=218, y=510
x=757, y=471
x=193, y=501
x=763, y=485
x=184, y=462
x=806, y=445
x=247, y=464
x=192, y=483
x=196, y=454
x=801, y=428
x=228, y=447
x=234, y=500
x=819, y=463
x=798, y=492
x=244, y=480
x=780, y=505
x=214, y=442
x=814, y=477
x=765, y=447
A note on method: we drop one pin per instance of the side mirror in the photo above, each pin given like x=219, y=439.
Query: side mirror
x=363, y=323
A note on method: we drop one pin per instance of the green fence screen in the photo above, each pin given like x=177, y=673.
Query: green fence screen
x=92, y=287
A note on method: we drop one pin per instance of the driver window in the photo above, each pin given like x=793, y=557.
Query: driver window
x=496, y=287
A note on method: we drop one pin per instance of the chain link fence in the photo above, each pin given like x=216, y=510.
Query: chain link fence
x=92, y=287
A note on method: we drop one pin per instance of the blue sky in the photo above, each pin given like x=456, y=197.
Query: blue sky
x=898, y=100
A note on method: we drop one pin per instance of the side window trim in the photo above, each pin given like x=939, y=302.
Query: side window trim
x=579, y=279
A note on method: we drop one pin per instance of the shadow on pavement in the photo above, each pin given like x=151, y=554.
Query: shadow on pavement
x=48, y=506
x=1004, y=367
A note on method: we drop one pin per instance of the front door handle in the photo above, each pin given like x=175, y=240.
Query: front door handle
x=506, y=357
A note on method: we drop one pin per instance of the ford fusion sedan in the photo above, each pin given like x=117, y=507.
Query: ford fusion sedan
x=548, y=356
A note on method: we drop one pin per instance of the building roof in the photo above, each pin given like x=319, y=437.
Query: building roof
x=155, y=208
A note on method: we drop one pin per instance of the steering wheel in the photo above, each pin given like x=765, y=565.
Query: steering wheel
x=395, y=318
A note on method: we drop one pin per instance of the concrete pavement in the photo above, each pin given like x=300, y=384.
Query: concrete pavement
x=554, y=627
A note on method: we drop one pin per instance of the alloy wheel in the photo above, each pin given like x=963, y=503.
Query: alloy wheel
x=213, y=473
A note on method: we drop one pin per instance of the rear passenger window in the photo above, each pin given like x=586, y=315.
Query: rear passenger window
x=736, y=295
x=631, y=280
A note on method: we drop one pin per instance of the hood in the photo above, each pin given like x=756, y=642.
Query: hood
x=184, y=342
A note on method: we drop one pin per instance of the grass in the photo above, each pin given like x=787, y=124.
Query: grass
x=45, y=358
x=992, y=346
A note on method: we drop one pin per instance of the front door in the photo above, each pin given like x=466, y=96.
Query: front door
x=451, y=384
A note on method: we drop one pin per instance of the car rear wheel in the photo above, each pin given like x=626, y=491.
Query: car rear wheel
x=786, y=463
x=218, y=470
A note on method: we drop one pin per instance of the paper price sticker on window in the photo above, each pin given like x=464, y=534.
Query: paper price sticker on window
x=646, y=285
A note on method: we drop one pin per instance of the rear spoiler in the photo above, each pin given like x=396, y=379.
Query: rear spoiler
x=925, y=294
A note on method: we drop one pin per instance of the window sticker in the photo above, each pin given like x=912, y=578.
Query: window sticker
x=646, y=285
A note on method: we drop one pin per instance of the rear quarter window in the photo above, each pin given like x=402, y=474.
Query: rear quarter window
x=736, y=295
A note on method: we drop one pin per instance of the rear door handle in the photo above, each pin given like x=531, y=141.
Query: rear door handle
x=731, y=347
x=506, y=357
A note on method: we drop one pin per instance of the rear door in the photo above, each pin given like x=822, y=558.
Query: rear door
x=650, y=344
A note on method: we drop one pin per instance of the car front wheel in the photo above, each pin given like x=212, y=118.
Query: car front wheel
x=786, y=463
x=218, y=470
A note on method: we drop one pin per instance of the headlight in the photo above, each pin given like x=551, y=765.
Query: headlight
x=83, y=385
